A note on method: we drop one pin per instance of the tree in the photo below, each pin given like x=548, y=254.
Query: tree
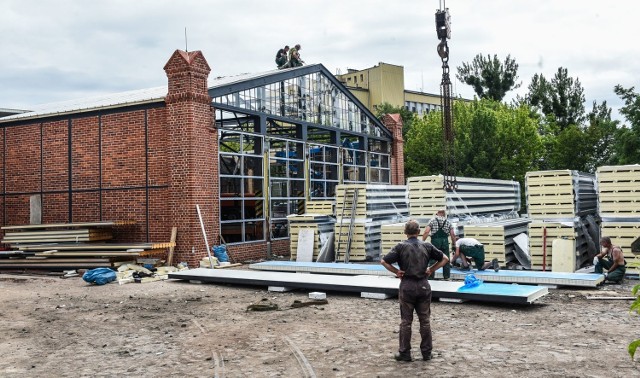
x=560, y=100
x=493, y=140
x=408, y=117
x=490, y=78
x=628, y=138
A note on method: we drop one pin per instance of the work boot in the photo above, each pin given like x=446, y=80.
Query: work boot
x=403, y=357
x=426, y=357
x=495, y=265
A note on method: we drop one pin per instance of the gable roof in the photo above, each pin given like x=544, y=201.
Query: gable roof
x=217, y=87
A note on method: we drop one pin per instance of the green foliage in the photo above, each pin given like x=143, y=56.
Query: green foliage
x=635, y=307
x=627, y=147
x=408, y=117
x=560, y=100
x=493, y=140
x=490, y=78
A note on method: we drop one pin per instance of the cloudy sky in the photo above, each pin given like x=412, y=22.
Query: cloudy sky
x=69, y=49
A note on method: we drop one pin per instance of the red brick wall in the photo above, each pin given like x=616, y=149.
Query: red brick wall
x=108, y=171
x=393, y=122
x=192, y=155
x=257, y=250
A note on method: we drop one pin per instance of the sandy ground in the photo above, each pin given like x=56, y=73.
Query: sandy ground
x=68, y=328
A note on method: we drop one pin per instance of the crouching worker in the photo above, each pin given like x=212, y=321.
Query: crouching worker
x=413, y=257
x=470, y=248
x=612, y=259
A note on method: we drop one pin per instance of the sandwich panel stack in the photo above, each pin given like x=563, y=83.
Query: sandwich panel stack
x=623, y=234
x=376, y=205
x=560, y=194
x=578, y=230
x=320, y=207
x=319, y=223
x=474, y=196
x=392, y=234
x=497, y=238
x=619, y=207
x=619, y=191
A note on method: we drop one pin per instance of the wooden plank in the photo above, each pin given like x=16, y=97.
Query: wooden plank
x=172, y=240
x=95, y=246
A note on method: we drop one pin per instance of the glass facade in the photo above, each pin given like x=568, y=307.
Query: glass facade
x=284, y=143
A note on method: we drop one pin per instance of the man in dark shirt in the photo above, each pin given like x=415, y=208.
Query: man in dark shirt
x=413, y=258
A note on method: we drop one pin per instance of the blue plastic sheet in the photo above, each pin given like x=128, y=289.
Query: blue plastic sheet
x=99, y=276
x=470, y=281
x=220, y=252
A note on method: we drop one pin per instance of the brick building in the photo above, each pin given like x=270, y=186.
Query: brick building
x=248, y=149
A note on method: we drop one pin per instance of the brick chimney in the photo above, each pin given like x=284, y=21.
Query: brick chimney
x=192, y=155
x=393, y=122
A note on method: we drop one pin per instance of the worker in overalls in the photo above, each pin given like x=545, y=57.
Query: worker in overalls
x=440, y=230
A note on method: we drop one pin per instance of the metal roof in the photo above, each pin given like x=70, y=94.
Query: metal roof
x=112, y=100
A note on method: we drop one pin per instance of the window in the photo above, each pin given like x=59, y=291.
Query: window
x=241, y=187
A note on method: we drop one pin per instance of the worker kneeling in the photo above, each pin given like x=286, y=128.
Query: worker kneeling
x=470, y=248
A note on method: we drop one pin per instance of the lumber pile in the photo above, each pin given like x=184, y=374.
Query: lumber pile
x=619, y=207
x=474, y=197
x=65, y=246
x=321, y=224
x=376, y=205
x=497, y=238
x=560, y=194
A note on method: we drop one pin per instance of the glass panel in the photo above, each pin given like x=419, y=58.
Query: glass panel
x=317, y=171
x=229, y=142
x=252, y=144
x=232, y=232
x=254, y=230
x=230, y=210
x=252, y=166
x=253, y=209
x=278, y=167
x=295, y=169
x=279, y=188
x=297, y=188
x=279, y=209
x=229, y=165
x=253, y=187
x=230, y=187
x=279, y=229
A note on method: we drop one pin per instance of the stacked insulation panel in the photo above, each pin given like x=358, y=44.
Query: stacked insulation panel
x=542, y=233
x=560, y=194
x=619, y=208
x=474, y=197
x=392, y=234
x=320, y=207
x=564, y=203
x=321, y=224
x=376, y=205
x=497, y=238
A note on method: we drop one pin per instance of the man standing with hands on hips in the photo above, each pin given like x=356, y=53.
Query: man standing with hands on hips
x=413, y=258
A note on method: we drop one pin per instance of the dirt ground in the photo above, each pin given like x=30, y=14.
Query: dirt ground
x=53, y=327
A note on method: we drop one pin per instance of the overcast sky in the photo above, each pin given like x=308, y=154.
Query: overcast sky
x=68, y=49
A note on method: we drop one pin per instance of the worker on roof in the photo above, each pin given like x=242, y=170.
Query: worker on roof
x=612, y=259
x=471, y=249
x=282, y=57
x=294, y=56
x=440, y=230
x=413, y=258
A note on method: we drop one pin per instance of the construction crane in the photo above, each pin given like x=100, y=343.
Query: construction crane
x=443, y=28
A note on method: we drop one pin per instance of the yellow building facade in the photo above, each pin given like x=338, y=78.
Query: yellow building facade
x=385, y=83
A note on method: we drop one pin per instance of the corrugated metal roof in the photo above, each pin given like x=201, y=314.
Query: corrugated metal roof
x=140, y=96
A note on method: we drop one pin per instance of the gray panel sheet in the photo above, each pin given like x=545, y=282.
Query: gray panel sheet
x=486, y=292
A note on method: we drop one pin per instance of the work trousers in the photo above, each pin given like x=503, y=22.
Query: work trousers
x=442, y=243
x=415, y=295
x=475, y=252
x=616, y=276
